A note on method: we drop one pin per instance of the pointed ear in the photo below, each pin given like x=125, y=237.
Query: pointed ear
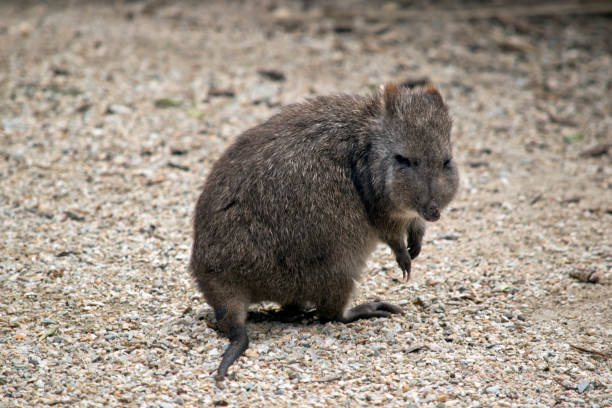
x=389, y=97
x=431, y=90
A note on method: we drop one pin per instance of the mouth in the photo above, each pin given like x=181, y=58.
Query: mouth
x=431, y=218
x=431, y=213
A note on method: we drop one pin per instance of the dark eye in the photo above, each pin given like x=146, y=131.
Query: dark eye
x=403, y=161
x=447, y=164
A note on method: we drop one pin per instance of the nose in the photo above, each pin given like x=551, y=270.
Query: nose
x=432, y=212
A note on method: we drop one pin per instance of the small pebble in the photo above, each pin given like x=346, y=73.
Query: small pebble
x=492, y=390
x=582, y=386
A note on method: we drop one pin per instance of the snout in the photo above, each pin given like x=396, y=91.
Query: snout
x=431, y=213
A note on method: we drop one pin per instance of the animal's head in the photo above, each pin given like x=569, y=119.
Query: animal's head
x=413, y=149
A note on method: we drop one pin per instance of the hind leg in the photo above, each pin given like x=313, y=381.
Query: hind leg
x=369, y=310
x=335, y=308
x=231, y=320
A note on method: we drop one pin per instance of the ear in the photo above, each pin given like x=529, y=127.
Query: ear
x=431, y=90
x=389, y=97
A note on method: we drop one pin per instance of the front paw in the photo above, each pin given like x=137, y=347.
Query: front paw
x=416, y=230
x=415, y=249
x=403, y=260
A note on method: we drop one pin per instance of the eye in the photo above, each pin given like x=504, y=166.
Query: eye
x=404, y=161
x=447, y=164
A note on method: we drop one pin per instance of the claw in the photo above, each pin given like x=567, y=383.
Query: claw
x=403, y=260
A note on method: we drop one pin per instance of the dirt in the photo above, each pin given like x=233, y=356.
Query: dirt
x=111, y=115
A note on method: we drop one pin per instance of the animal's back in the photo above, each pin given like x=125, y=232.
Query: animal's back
x=279, y=216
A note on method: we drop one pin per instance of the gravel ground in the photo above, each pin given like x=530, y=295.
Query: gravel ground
x=111, y=116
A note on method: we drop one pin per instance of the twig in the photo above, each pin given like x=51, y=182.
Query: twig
x=467, y=13
x=567, y=387
x=415, y=348
x=178, y=166
x=519, y=25
x=40, y=213
x=74, y=216
x=325, y=380
x=597, y=150
x=572, y=199
x=596, y=352
x=561, y=120
x=588, y=276
x=536, y=198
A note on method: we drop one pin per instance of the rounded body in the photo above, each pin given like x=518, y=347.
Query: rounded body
x=292, y=210
x=280, y=219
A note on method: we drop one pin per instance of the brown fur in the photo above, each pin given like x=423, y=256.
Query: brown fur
x=292, y=210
